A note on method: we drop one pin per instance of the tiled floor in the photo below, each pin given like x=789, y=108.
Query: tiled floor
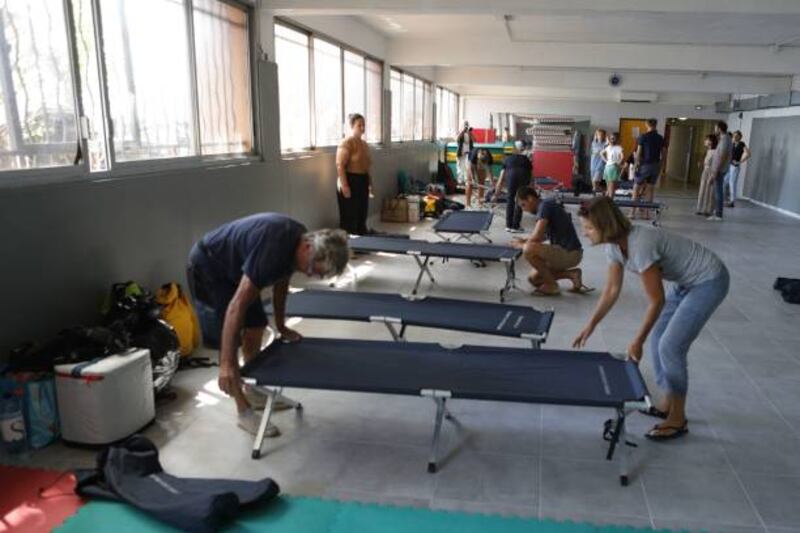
x=737, y=471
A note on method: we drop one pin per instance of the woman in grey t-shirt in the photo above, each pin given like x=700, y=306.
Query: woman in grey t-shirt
x=698, y=283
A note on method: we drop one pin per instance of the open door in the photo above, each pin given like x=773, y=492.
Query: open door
x=629, y=131
x=679, y=152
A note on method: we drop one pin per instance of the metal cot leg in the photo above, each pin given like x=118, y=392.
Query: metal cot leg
x=262, y=427
x=625, y=455
x=437, y=431
x=423, y=269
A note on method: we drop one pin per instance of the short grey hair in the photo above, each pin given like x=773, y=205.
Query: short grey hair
x=330, y=250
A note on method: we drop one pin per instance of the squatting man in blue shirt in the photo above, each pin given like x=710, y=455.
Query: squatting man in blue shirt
x=227, y=270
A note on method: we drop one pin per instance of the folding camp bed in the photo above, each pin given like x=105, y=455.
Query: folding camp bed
x=396, y=311
x=423, y=251
x=464, y=224
x=433, y=371
x=657, y=207
x=544, y=184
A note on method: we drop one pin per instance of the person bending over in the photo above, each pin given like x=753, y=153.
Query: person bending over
x=558, y=259
x=229, y=267
x=698, y=283
x=480, y=170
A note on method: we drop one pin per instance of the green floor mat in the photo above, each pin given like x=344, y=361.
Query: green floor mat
x=313, y=515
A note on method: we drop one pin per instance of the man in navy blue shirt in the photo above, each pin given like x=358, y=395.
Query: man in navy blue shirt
x=516, y=173
x=230, y=266
x=556, y=259
x=649, y=159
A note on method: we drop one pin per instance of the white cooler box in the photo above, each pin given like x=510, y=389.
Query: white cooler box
x=109, y=400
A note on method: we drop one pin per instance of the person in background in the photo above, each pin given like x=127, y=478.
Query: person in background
x=599, y=143
x=613, y=157
x=353, y=182
x=517, y=172
x=480, y=171
x=675, y=316
x=650, y=148
x=506, y=135
x=464, y=146
x=629, y=172
x=739, y=154
x=705, y=196
x=720, y=166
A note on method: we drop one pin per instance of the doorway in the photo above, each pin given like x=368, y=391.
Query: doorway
x=685, y=151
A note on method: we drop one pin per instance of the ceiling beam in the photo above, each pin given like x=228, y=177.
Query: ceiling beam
x=494, y=51
x=526, y=7
x=598, y=79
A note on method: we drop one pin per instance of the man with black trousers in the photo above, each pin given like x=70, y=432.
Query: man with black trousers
x=517, y=172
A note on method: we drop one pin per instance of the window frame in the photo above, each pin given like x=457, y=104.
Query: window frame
x=423, y=84
x=457, y=101
x=118, y=169
x=343, y=47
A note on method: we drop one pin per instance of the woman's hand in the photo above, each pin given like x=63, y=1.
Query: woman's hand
x=583, y=336
x=635, y=351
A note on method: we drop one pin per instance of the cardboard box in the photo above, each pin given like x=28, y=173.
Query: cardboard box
x=394, y=210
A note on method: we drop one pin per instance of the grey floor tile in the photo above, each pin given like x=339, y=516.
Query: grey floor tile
x=706, y=527
x=570, y=486
x=600, y=520
x=574, y=432
x=496, y=428
x=489, y=478
x=697, y=495
x=776, y=498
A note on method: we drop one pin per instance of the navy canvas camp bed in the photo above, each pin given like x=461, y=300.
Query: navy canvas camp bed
x=433, y=371
x=396, y=311
x=464, y=224
x=423, y=251
x=657, y=207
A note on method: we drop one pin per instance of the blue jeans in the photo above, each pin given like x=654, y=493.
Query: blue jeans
x=685, y=312
x=732, y=179
x=719, y=189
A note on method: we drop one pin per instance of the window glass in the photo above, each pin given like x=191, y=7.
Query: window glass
x=397, y=105
x=374, y=101
x=292, y=56
x=327, y=93
x=354, y=86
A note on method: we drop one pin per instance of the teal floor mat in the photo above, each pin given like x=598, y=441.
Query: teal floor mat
x=314, y=515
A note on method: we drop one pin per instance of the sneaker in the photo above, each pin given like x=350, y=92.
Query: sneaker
x=258, y=400
x=714, y=218
x=514, y=230
x=249, y=421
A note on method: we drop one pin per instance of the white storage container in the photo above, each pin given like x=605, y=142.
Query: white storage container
x=107, y=400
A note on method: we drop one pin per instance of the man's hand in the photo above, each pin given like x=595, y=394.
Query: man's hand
x=289, y=335
x=345, y=189
x=583, y=336
x=229, y=378
x=518, y=243
x=635, y=351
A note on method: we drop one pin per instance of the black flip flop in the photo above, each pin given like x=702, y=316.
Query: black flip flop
x=678, y=431
x=654, y=412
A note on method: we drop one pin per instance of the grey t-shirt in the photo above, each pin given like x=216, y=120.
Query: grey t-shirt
x=682, y=260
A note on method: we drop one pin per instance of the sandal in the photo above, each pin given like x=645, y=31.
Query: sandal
x=654, y=411
x=676, y=432
x=540, y=292
x=583, y=289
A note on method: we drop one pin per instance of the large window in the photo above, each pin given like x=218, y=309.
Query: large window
x=411, y=107
x=175, y=85
x=38, y=124
x=344, y=82
x=292, y=56
x=446, y=113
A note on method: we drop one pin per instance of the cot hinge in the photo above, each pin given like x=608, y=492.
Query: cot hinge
x=433, y=393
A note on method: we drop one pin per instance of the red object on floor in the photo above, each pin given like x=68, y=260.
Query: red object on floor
x=557, y=165
x=24, y=506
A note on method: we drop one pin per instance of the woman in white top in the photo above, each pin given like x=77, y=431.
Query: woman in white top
x=698, y=284
x=613, y=156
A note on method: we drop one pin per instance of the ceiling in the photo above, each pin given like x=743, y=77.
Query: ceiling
x=686, y=51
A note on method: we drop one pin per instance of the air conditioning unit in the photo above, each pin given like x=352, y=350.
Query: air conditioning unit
x=638, y=97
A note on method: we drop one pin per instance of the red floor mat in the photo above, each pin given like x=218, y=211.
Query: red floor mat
x=23, y=508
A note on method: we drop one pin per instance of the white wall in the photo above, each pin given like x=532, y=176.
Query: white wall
x=745, y=125
x=602, y=114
